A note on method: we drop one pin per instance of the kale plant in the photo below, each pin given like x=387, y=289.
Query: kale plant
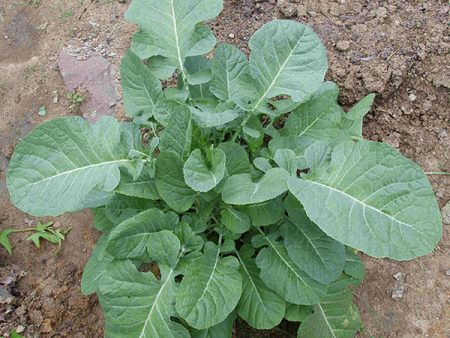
x=244, y=191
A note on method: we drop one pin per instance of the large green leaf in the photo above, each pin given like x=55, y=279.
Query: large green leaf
x=164, y=248
x=132, y=237
x=213, y=118
x=234, y=220
x=297, y=313
x=353, y=120
x=287, y=58
x=230, y=72
x=177, y=136
x=334, y=317
x=141, y=90
x=282, y=275
x=373, y=199
x=259, y=306
x=320, y=256
x=143, y=186
x=210, y=289
x=170, y=182
x=241, y=189
x=136, y=304
x=174, y=26
x=237, y=158
x=354, y=266
x=203, y=175
x=56, y=166
x=265, y=213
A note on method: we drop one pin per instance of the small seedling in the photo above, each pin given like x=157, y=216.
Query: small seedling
x=41, y=231
x=75, y=98
x=67, y=14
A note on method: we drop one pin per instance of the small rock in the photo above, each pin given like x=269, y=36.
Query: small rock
x=55, y=96
x=398, y=276
x=20, y=329
x=397, y=291
x=446, y=213
x=447, y=273
x=343, y=46
x=5, y=296
x=382, y=12
x=231, y=36
x=412, y=97
x=287, y=9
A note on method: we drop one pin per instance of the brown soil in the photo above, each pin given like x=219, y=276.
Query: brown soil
x=398, y=49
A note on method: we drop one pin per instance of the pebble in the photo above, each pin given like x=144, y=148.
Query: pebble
x=398, y=276
x=20, y=329
x=231, y=36
x=446, y=213
x=343, y=45
x=397, y=291
x=412, y=97
x=447, y=273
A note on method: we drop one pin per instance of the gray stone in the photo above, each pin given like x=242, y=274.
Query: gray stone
x=446, y=213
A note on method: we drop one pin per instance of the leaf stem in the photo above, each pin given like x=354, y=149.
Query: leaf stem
x=241, y=126
x=437, y=173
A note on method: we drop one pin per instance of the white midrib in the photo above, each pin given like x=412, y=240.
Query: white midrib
x=251, y=281
x=276, y=76
x=177, y=42
x=326, y=320
x=64, y=173
x=154, y=305
x=365, y=205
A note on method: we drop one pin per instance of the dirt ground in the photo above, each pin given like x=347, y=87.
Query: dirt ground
x=398, y=49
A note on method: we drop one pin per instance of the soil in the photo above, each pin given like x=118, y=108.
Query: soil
x=398, y=49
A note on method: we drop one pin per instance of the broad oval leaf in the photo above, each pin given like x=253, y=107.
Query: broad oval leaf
x=265, y=213
x=177, y=136
x=56, y=166
x=202, y=176
x=173, y=26
x=373, y=199
x=148, y=303
x=297, y=313
x=237, y=158
x=234, y=220
x=170, y=182
x=143, y=186
x=210, y=290
x=320, y=256
x=283, y=276
x=287, y=58
x=334, y=317
x=132, y=237
x=354, y=266
x=241, y=189
x=221, y=330
x=259, y=306
x=141, y=90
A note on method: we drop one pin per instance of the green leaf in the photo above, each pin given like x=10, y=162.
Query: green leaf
x=198, y=70
x=96, y=267
x=14, y=334
x=165, y=108
x=177, y=136
x=142, y=45
x=320, y=256
x=4, y=241
x=237, y=158
x=143, y=187
x=287, y=58
x=353, y=120
x=170, y=182
x=221, y=330
x=373, y=199
x=203, y=175
x=234, y=220
x=141, y=89
x=334, y=317
x=164, y=247
x=354, y=266
x=230, y=71
x=241, y=189
x=297, y=313
x=136, y=304
x=189, y=240
x=283, y=276
x=132, y=237
x=173, y=26
x=262, y=164
x=259, y=306
x=265, y=213
x=209, y=119
x=286, y=159
x=210, y=290
x=57, y=165
x=161, y=67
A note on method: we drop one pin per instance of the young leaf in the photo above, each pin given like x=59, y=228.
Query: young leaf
x=141, y=90
x=283, y=276
x=237, y=159
x=189, y=240
x=353, y=120
x=4, y=241
x=265, y=213
x=201, y=175
x=286, y=159
x=177, y=136
x=241, y=189
x=59, y=163
x=354, y=266
x=259, y=306
x=210, y=290
x=287, y=58
x=148, y=303
x=234, y=220
x=173, y=27
x=143, y=187
x=320, y=256
x=209, y=119
x=334, y=317
x=170, y=182
x=132, y=237
x=376, y=201
x=164, y=247
x=198, y=70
